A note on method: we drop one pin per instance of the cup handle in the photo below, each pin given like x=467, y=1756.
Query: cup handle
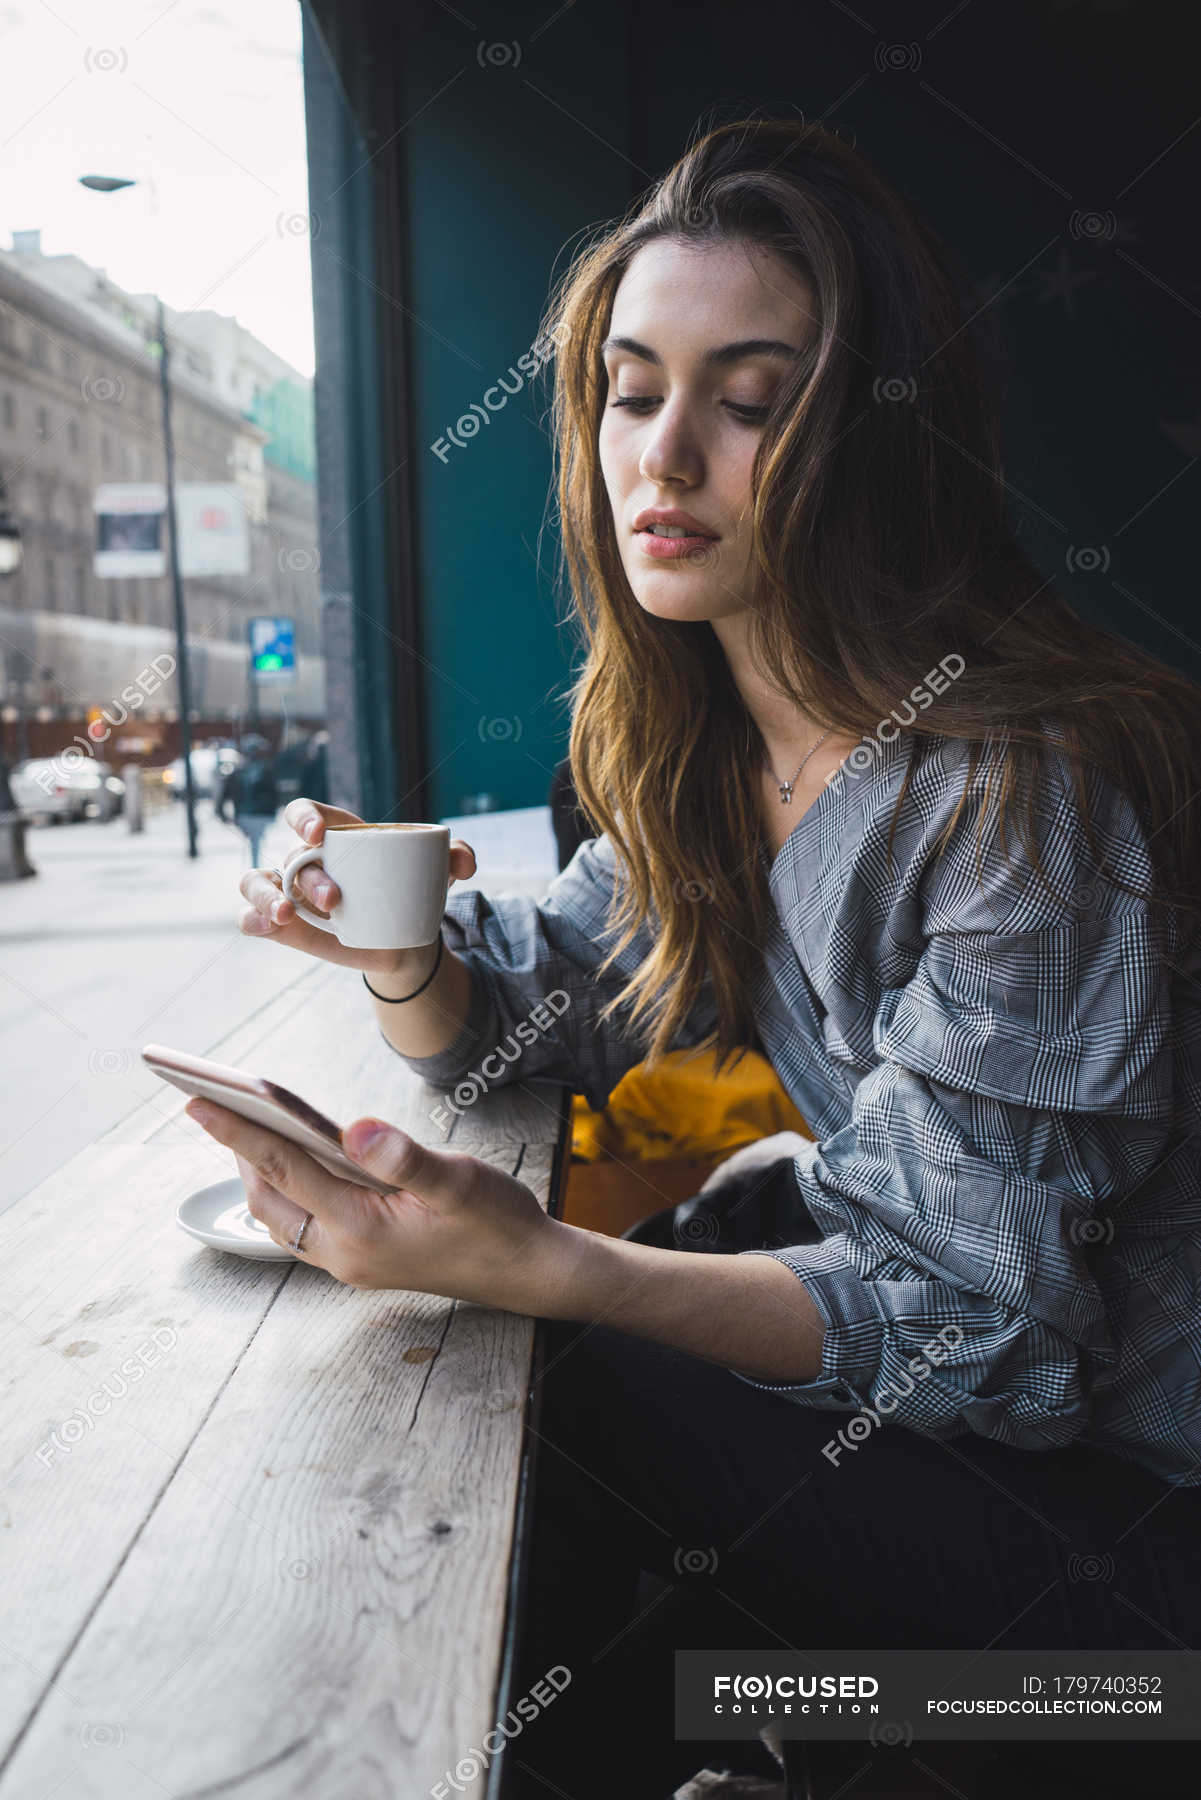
x=290, y=871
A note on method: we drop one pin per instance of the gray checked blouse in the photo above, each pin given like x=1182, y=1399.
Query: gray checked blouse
x=1000, y=1217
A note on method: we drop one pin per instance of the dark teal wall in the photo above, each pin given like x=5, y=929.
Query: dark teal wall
x=358, y=560
x=500, y=177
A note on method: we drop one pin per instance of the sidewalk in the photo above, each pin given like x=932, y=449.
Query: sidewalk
x=121, y=940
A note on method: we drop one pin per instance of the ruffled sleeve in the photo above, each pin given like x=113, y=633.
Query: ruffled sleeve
x=1023, y=1086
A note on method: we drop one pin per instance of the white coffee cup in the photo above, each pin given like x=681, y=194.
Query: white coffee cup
x=393, y=880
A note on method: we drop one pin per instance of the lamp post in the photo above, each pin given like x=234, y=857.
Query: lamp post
x=14, y=863
x=110, y=184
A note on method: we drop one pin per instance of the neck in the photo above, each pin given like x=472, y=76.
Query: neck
x=788, y=731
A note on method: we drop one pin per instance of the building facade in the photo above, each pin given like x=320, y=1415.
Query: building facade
x=80, y=406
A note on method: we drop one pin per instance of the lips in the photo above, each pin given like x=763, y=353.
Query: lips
x=678, y=520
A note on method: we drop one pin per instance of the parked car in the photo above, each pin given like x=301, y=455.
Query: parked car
x=102, y=788
x=41, y=789
x=210, y=764
x=51, y=789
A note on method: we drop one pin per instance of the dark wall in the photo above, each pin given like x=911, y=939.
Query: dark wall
x=1051, y=145
x=507, y=166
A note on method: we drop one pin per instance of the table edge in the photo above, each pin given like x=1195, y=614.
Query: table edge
x=516, y=1600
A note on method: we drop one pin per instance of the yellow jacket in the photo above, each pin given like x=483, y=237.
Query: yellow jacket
x=683, y=1108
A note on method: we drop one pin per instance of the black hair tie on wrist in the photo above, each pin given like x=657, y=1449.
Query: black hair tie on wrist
x=388, y=998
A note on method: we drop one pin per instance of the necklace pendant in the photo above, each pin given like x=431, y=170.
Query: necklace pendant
x=786, y=792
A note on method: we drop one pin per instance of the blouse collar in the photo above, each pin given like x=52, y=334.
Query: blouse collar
x=859, y=781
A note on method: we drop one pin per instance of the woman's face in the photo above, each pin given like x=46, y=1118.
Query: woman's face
x=699, y=340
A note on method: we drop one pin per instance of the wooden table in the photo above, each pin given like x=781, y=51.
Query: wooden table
x=259, y=1533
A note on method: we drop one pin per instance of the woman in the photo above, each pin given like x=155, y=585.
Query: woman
x=867, y=793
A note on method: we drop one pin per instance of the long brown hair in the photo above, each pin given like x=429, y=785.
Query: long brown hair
x=877, y=495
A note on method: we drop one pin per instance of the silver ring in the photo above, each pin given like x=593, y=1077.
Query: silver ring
x=304, y=1225
x=278, y=872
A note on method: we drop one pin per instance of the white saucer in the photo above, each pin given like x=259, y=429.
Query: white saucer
x=219, y=1216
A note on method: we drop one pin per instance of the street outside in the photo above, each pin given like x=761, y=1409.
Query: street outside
x=121, y=940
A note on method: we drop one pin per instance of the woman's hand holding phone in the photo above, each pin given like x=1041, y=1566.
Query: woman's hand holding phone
x=446, y=1223
x=269, y=914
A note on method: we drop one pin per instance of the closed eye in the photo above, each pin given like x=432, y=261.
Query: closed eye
x=642, y=404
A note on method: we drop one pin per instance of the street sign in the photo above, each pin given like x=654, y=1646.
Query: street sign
x=213, y=538
x=273, y=649
x=130, y=536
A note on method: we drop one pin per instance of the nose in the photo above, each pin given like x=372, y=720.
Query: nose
x=671, y=451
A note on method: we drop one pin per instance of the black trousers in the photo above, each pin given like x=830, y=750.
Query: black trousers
x=652, y=1460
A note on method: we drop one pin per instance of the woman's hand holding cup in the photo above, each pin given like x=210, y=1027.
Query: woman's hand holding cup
x=271, y=914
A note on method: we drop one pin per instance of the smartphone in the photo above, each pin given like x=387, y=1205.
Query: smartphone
x=263, y=1103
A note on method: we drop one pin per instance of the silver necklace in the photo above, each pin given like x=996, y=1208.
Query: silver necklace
x=786, y=787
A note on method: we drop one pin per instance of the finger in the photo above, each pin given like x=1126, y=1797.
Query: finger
x=280, y=1163
x=283, y=1219
x=310, y=817
x=263, y=889
x=295, y=933
x=402, y=1162
x=259, y=886
x=462, y=860
x=256, y=1189
x=253, y=923
x=318, y=888
x=252, y=1181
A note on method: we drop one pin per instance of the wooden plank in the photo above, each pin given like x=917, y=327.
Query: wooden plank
x=271, y=1020
x=99, y=1284
x=189, y=1576
x=314, y=1606
x=281, y=1559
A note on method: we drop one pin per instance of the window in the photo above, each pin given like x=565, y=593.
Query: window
x=10, y=412
x=39, y=351
x=51, y=585
x=43, y=422
x=73, y=433
x=81, y=588
x=106, y=451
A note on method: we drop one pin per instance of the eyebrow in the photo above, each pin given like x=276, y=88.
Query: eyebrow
x=720, y=357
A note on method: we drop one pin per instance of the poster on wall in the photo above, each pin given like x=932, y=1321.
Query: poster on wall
x=130, y=530
x=213, y=538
